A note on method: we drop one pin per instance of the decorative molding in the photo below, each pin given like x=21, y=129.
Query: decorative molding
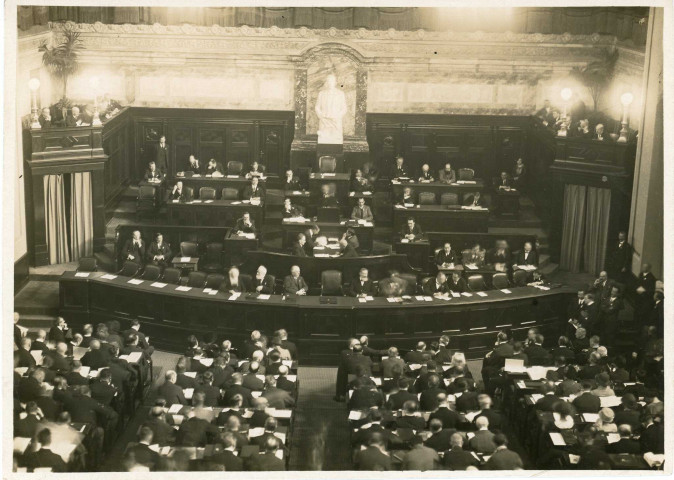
x=300, y=101
x=308, y=143
x=361, y=101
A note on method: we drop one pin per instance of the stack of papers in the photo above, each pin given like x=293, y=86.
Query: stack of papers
x=481, y=294
x=175, y=409
x=82, y=274
x=611, y=401
x=527, y=267
x=234, y=296
x=505, y=290
x=466, y=294
x=188, y=393
x=107, y=276
x=183, y=289
x=135, y=281
x=158, y=285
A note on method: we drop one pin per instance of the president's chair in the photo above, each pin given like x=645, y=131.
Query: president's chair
x=211, y=262
x=189, y=249
x=146, y=202
x=331, y=282
x=327, y=164
x=234, y=167
x=214, y=280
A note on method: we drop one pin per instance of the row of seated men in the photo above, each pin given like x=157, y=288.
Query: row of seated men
x=575, y=123
x=222, y=399
x=80, y=387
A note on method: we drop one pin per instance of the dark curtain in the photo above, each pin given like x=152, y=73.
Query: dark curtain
x=573, y=227
x=596, y=228
x=55, y=219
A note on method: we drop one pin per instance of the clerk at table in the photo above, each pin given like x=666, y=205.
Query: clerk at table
x=362, y=211
x=294, y=284
x=291, y=183
x=254, y=190
x=426, y=175
x=214, y=167
x=233, y=283
x=327, y=197
x=245, y=225
x=362, y=286
x=289, y=211
x=159, y=252
x=446, y=256
x=152, y=174
x=438, y=286
x=193, y=166
x=180, y=193
x=447, y=175
x=527, y=256
x=411, y=231
x=399, y=169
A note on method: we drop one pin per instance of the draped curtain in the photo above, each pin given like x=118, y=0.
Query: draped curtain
x=55, y=219
x=596, y=228
x=573, y=227
x=81, y=216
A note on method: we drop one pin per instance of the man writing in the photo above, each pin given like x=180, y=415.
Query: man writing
x=411, y=230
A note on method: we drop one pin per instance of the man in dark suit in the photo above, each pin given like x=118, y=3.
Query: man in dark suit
x=171, y=392
x=45, y=458
x=400, y=394
x=440, y=439
x=399, y=170
x=193, y=166
x=291, y=183
x=437, y=287
x=285, y=343
x=298, y=247
x=457, y=458
x=45, y=118
x=483, y=440
x=290, y=211
x=97, y=357
x=237, y=388
x=362, y=211
x=152, y=174
x=61, y=361
x=282, y=381
x=180, y=193
x=456, y=283
x=27, y=426
x=162, y=432
x=428, y=400
x=407, y=197
x=245, y=225
x=310, y=234
x=418, y=355
x=527, y=256
x=23, y=355
x=504, y=180
x=549, y=400
x=374, y=457
x=362, y=286
x=254, y=190
x=347, y=250
x=159, y=252
x=474, y=200
x=195, y=431
x=210, y=391
x=267, y=461
x=467, y=401
x=626, y=444
x=30, y=388
x=411, y=231
x=644, y=288
x=162, y=155
x=356, y=359
x=327, y=197
x=426, y=175
x=610, y=309
x=60, y=332
x=134, y=248
x=503, y=458
x=619, y=258
x=294, y=284
x=495, y=418
x=263, y=283
x=227, y=457
x=142, y=453
x=277, y=397
x=587, y=402
x=214, y=168
x=448, y=417
x=536, y=353
x=102, y=389
x=75, y=119
x=446, y=256
x=652, y=437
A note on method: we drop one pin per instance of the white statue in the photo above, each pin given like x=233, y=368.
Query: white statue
x=330, y=108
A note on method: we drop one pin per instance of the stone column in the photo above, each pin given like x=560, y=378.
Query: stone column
x=646, y=216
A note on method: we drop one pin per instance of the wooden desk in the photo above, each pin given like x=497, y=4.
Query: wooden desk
x=218, y=183
x=437, y=187
x=441, y=219
x=236, y=247
x=218, y=213
x=185, y=263
x=320, y=330
x=364, y=233
x=507, y=202
x=418, y=252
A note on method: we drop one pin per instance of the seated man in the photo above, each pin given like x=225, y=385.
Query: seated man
x=476, y=256
x=263, y=283
x=290, y=211
x=499, y=256
x=327, y=197
x=437, y=287
x=254, y=190
x=456, y=283
x=74, y=119
x=294, y=284
x=426, y=175
x=256, y=170
x=45, y=118
x=362, y=211
x=350, y=236
x=399, y=170
x=527, y=256
x=447, y=175
x=159, y=252
x=214, y=168
x=193, y=166
x=180, y=194
x=298, y=246
x=152, y=174
x=347, y=250
x=359, y=183
x=134, y=248
x=504, y=180
x=291, y=183
x=446, y=257
x=599, y=133
x=411, y=231
x=392, y=286
x=474, y=200
x=233, y=283
x=361, y=286
x=407, y=197
x=245, y=225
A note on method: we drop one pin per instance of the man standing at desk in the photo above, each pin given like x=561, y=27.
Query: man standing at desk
x=445, y=257
x=162, y=155
x=362, y=211
x=294, y=284
x=152, y=174
x=159, y=252
x=362, y=286
x=134, y=249
x=411, y=231
x=179, y=193
x=619, y=258
x=214, y=168
x=254, y=190
x=245, y=225
x=327, y=198
x=447, y=175
x=399, y=170
x=311, y=233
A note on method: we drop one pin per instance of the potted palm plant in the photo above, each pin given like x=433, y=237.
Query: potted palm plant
x=62, y=60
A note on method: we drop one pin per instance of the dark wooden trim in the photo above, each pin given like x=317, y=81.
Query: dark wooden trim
x=21, y=272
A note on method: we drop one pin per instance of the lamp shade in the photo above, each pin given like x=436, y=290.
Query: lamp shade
x=566, y=94
x=33, y=84
x=626, y=98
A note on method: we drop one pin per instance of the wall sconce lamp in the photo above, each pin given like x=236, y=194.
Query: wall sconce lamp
x=96, y=120
x=626, y=99
x=566, y=96
x=34, y=85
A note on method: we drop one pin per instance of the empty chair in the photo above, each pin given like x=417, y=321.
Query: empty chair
x=449, y=199
x=207, y=193
x=476, y=283
x=466, y=173
x=234, y=167
x=172, y=276
x=196, y=279
x=211, y=262
x=331, y=282
x=327, y=164
x=427, y=198
x=520, y=278
x=87, y=264
x=214, y=280
x=129, y=269
x=189, y=249
x=146, y=201
x=229, y=193
x=411, y=283
x=500, y=280
x=152, y=273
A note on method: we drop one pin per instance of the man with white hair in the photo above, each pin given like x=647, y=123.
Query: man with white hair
x=74, y=119
x=294, y=284
x=599, y=133
x=40, y=342
x=483, y=441
x=263, y=283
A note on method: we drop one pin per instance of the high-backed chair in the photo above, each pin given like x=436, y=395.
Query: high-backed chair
x=331, y=282
x=151, y=273
x=129, y=269
x=207, y=193
x=411, y=283
x=211, y=262
x=189, y=249
x=449, y=198
x=327, y=164
x=234, y=167
x=171, y=276
x=476, y=283
x=146, y=201
x=427, y=198
x=87, y=264
x=500, y=280
x=214, y=280
x=229, y=193
x=466, y=174
x=196, y=279
x=520, y=278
